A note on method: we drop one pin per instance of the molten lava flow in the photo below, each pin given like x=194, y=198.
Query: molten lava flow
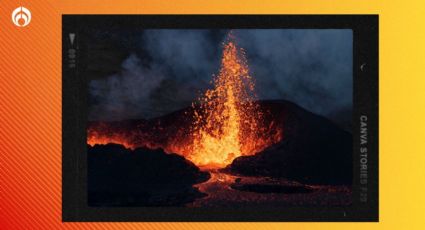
x=228, y=123
x=225, y=123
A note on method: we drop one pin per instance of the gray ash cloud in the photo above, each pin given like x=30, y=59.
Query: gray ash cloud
x=165, y=70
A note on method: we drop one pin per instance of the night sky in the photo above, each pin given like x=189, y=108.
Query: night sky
x=148, y=73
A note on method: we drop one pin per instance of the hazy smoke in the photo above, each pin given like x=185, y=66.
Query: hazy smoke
x=127, y=94
x=312, y=68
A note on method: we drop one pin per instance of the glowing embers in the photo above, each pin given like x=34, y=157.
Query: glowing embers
x=228, y=122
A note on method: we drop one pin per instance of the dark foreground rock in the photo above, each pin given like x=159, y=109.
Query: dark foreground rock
x=313, y=150
x=121, y=177
x=269, y=185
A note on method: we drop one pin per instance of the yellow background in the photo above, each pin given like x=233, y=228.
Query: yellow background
x=30, y=107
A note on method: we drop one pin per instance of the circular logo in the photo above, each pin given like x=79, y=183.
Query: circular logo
x=21, y=16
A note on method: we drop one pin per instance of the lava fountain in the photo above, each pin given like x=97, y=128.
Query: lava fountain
x=226, y=122
x=228, y=119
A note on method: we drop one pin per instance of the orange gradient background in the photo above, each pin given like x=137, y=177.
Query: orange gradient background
x=30, y=107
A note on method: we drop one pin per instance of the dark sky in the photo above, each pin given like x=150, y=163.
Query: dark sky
x=154, y=72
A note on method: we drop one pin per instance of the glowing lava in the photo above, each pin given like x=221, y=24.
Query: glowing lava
x=227, y=122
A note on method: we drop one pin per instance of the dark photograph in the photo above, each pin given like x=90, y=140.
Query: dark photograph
x=219, y=117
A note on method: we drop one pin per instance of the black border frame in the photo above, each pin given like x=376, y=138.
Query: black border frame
x=365, y=103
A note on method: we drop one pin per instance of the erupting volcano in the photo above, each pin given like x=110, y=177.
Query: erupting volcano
x=224, y=123
x=227, y=146
x=228, y=123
